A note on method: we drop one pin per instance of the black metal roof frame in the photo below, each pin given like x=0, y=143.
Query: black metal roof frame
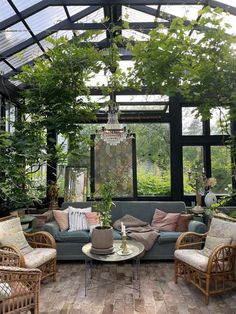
x=111, y=8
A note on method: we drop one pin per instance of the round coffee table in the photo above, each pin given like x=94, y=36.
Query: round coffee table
x=135, y=250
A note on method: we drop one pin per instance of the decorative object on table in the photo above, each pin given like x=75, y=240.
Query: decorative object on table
x=197, y=183
x=102, y=236
x=53, y=195
x=210, y=197
x=75, y=184
x=124, y=250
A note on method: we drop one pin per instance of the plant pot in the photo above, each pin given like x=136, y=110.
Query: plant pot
x=102, y=239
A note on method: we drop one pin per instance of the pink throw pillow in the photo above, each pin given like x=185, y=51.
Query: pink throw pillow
x=92, y=218
x=163, y=221
x=62, y=218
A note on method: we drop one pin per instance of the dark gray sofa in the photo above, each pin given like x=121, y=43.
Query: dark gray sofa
x=69, y=244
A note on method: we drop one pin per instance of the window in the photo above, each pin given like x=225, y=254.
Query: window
x=217, y=122
x=221, y=168
x=192, y=162
x=190, y=124
x=153, y=158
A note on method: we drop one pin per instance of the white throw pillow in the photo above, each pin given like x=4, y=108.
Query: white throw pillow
x=77, y=219
x=5, y=290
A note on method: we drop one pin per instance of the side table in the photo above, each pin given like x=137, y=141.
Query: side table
x=136, y=249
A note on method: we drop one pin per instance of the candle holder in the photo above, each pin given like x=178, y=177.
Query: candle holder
x=124, y=246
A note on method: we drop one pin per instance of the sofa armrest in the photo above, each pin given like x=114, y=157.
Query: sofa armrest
x=51, y=227
x=197, y=226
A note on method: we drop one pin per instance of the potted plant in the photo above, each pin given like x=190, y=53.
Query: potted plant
x=102, y=236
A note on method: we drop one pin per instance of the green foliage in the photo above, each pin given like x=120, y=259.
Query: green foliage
x=53, y=101
x=104, y=206
x=16, y=169
x=56, y=85
x=233, y=214
x=200, y=67
x=150, y=184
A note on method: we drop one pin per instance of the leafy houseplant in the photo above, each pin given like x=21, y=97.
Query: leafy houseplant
x=104, y=206
x=102, y=236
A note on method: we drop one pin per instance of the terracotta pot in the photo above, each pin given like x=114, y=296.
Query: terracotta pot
x=102, y=238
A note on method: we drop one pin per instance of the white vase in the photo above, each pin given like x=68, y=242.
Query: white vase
x=210, y=199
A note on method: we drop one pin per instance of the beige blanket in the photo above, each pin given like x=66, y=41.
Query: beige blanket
x=138, y=230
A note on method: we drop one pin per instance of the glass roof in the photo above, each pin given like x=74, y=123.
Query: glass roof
x=25, y=24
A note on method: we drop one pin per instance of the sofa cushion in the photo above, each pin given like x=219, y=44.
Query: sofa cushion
x=80, y=236
x=77, y=219
x=183, y=222
x=62, y=218
x=168, y=236
x=197, y=226
x=163, y=221
x=116, y=234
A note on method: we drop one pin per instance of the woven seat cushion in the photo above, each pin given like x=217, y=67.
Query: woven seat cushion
x=197, y=259
x=11, y=234
x=193, y=258
x=39, y=256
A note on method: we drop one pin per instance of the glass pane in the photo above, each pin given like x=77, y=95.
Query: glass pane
x=96, y=16
x=10, y=116
x=190, y=124
x=115, y=161
x=39, y=181
x=4, y=68
x=153, y=158
x=137, y=98
x=76, y=9
x=6, y=10
x=21, y=5
x=132, y=34
x=25, y=56
x=47, y=45
x=221, y=168
x=217, y=124
x=45, y=19
x=13, y=35
x=144, y=107
x=189, y=11
x=192, y=164
x=132, y=15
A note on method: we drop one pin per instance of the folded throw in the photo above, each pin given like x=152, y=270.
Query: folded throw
x=138, y=230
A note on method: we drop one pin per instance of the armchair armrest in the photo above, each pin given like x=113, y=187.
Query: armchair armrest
x=19, y=281
x=197, y=226
x=41, y=239
x=222, y=259
x=190, y=240
x=9, y=258
x=51, y=227
x=12, y=249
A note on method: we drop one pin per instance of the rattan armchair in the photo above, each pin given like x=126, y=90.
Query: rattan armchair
x=19, y=287
x=34, y=250
x=210, y=270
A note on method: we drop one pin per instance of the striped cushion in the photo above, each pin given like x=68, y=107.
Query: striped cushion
x=11, y=234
